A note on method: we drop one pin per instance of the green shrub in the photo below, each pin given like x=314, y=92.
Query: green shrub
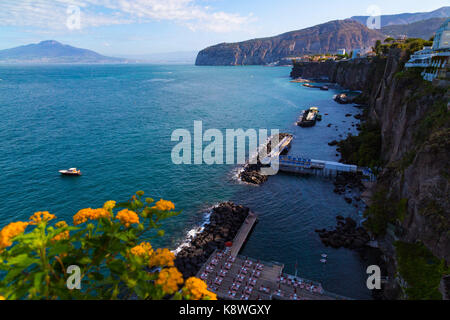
x=421, y=270
x=365, y=149
x=36, y=256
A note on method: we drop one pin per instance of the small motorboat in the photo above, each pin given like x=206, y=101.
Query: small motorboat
x=324, y=88
x=323, y=260
x=70, y=172
x=324, y=256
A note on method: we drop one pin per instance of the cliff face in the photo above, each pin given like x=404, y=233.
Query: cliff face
x=415, y=129
x=324, y=38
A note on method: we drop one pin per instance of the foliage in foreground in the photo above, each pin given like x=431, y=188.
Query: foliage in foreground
x=37, y=256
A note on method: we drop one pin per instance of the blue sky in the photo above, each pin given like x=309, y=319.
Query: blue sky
x=139, y=27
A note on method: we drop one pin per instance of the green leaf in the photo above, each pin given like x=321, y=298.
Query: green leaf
x=85, y=260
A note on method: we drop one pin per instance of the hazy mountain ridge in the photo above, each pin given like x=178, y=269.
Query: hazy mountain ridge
x=407, y=18
x=323, y=38
x=51, y=51
x=421, y=29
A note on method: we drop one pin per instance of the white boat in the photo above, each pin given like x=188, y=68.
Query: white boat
x=70, y=172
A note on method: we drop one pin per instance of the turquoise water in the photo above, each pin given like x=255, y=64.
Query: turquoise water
x=115, y=124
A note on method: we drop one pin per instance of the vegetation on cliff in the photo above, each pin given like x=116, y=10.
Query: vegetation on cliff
x=384, y=210
x=363, y=149
x=421, y=270
x=39, y=259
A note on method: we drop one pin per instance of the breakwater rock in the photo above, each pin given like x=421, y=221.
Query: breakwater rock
x=251, y=172
x=225, y=221
x=346, y=182
x=253, y=176
x=346, y=234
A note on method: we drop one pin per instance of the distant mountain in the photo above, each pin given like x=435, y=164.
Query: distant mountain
x=323, y=38
x=51, y=51
x=422, y=29
x=179, y=57
x=407, y=18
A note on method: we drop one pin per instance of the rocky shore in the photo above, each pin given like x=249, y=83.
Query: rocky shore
x=346, y=235
x=225, y=221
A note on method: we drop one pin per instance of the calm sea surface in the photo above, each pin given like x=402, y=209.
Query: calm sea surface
x=115, y=124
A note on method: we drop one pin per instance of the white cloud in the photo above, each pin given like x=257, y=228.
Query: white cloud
x=52, y=14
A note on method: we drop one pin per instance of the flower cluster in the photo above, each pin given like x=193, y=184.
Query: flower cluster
x=90, y=214
x=39, y=217
x=164, y=205
x=11, y=231
x=143, y=250
x=63, y=235
x=127, y=217
x=196, y=289
x=169, y=280
x=2, y=298
x=162, y=258
x=109, y=205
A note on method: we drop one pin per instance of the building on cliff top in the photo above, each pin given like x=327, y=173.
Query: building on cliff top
x=434, y=60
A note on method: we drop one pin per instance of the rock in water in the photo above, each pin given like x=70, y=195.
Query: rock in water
x=225, y=221
x=346, y=234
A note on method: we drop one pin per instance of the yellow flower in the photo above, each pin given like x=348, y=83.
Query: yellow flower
x=162, y=258
x=2, y=298
x=169, y=279
x=63, y=235
x=127, y=217
x=90, y=214
x=10, y=232
x=163, y=205
x=109, y=205
x=196, y=289
x=143, y=250
x=39, y=217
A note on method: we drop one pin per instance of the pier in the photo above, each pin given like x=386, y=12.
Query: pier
x=234, y=277
x=319, y=167
x=300, y=165
x=243, y=233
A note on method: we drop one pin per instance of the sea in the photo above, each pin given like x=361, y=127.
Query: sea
x=115, y=123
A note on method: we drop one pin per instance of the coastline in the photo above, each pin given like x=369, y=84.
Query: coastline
x=194, y=251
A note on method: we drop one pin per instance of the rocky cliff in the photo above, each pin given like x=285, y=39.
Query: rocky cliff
x=411, y=198
x=324, y=38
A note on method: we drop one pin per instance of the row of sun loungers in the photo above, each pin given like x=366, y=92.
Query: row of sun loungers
x=246, y=281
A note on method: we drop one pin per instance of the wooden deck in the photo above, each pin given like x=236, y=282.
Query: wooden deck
x=242, y=278
x=233, y=277
x=243, y=233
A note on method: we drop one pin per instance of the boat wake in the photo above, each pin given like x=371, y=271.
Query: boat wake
x=160, y=80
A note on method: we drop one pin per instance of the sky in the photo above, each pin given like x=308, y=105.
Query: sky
x=140, y=27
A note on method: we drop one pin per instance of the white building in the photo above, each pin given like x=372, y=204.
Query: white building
x=421, y=58
x=442, y=38
x=341, y=52
x=434, y=60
